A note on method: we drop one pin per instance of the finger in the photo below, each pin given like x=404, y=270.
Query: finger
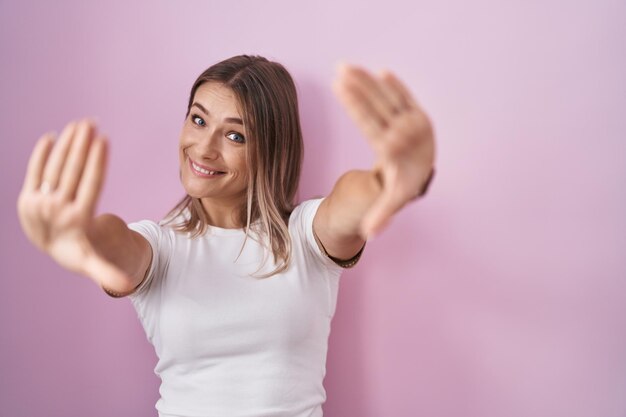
x=52, y=171
x=360, y=110
x=77, y=156
x=400, y=90
x=372, y=89
x=394, y=93
x=93, y=177
x=390, y=201
x=37, y=162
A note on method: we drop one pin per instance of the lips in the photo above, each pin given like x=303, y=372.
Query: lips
x=203, y=170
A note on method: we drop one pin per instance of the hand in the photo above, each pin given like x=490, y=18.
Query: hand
x=57, y=203
x=400, y=133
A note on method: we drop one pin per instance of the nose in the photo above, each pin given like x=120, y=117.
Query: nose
x=211, y=145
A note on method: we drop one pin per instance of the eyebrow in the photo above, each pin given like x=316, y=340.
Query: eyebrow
x=235, y=120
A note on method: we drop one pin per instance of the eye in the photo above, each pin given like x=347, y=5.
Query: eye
x=236, y=137
x=198, y=120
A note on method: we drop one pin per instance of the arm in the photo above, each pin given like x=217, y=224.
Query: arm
x=123, y=248
x=56, y=211
x=338, y=219
x=363, y=202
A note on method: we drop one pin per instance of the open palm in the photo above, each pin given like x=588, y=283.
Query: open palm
x=57, y=202
x=398, y=130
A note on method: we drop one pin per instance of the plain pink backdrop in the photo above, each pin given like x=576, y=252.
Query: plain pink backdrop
x=501, y=294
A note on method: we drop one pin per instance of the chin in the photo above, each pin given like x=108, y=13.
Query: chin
x=190, y=190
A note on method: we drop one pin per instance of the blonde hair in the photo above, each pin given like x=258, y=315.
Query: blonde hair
x=274, y=149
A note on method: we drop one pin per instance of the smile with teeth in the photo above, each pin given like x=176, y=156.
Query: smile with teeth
x=204, y=171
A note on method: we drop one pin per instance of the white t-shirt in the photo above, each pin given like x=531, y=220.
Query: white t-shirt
x=229, y=344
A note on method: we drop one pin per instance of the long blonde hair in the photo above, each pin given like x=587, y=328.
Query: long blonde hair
x=267, y=96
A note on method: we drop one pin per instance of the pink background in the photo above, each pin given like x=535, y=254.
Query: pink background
x=501, y=294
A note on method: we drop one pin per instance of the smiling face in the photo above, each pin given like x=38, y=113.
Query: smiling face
x=213, y=148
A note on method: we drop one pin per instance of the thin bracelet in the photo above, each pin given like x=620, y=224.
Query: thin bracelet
x=344, y=263
x=116, y=294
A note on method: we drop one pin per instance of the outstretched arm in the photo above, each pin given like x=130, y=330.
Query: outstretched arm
x=363, y=202
x=56, y=210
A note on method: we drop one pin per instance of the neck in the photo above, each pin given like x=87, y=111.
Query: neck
x=223, y=213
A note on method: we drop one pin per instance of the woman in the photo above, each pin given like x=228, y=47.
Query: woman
x=236, y=288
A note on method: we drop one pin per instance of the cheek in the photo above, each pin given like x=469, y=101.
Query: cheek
x=181, y=154
x=186, y=136
x=242, y=165
x=184, y=142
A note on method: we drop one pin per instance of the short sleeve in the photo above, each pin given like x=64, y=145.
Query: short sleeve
x=146, y=299
x=302, y=221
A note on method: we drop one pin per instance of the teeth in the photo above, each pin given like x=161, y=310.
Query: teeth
x=204, y=171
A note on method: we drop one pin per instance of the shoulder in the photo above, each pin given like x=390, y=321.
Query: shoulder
x=301, y=230
x=160, y=235
x=150, y=228
x=305, y=211
x=302, y=220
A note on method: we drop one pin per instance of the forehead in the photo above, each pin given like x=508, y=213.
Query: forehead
x=217, y=99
